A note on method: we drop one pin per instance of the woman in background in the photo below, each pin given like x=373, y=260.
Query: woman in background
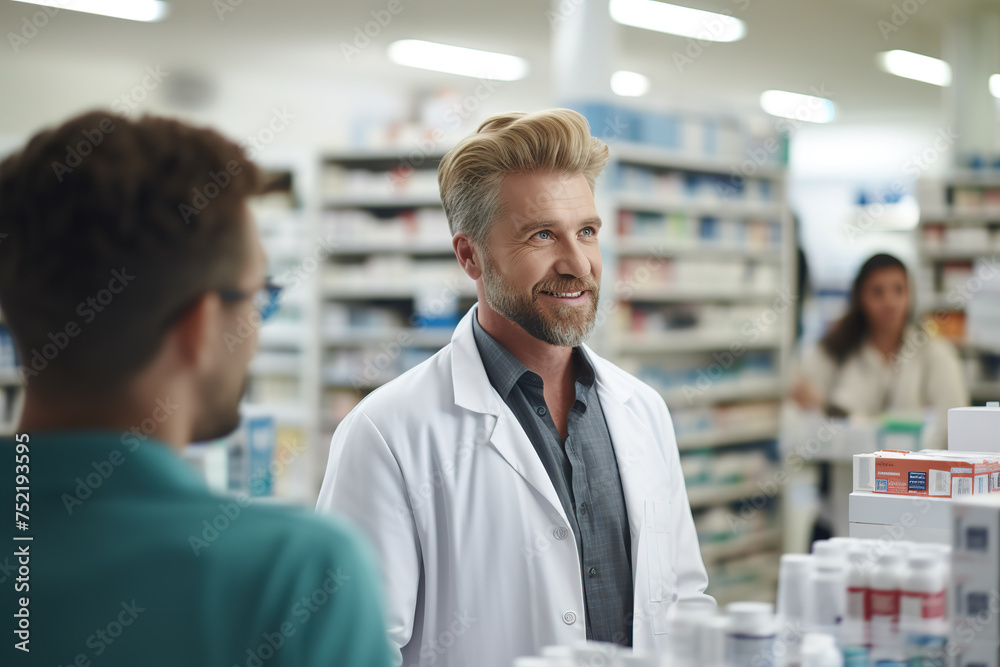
x=874, y=360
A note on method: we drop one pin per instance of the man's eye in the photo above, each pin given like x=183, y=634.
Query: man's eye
x=545, y=236
x=589, y=231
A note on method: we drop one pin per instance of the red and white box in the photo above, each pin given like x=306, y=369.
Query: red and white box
x=933, y=474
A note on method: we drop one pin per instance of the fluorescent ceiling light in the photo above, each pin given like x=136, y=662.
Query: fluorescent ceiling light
x=677, y=20
x=995, y=85
x=133, y=10
x=457, y=60
x=800, y=107
x=629, y=84
x=914, y=66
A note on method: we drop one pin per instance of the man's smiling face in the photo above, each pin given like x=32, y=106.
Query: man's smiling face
x=542, y=264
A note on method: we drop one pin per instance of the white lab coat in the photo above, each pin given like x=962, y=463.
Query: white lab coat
x=479, y=564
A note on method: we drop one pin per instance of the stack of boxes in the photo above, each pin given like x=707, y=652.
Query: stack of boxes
x=946, y=497
x=974, y=600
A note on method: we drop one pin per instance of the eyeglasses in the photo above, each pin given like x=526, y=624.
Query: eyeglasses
x=267, y=299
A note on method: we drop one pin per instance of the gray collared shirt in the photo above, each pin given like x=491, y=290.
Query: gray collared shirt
x=584, y=471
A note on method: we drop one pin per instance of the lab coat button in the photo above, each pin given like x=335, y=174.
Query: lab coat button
x=560, y=533
x=569, y=618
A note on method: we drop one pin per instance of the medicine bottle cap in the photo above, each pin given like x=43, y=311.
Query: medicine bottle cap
x=750, y=617
x=827, y=549
x=923, y=560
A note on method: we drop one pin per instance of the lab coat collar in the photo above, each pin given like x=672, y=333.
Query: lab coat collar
x=633, y=442
x=474, y=392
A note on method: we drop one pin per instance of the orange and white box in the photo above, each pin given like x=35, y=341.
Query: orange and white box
x=926, y=473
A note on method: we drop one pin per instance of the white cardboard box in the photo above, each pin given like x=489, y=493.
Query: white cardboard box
x=975, y=654
x=974, y=591
x=974, y=429
x=883, y=508
x=896, y=532
x=879, y=516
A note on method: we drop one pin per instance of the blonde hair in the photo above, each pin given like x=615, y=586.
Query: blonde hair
x=471, y=173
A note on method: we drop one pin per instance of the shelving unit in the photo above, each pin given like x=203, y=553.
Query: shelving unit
x=692, y=256
x=283, y=376
x=958, y=283
x=390, y=291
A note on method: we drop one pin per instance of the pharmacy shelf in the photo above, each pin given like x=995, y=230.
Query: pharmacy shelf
x=959, y=218
x=932, y=255
x=763, y=587
x=938, y=301
x=666, y=248
x=984, y=389
x=636, y=201
x=415, y=337
x=989, y=178
x=361, y=386
x=383, y=202
x=382, y=248
x=292, y=414
x=725, y=392
x=689, y=341
x=671, y=293
x=723, y=437
x=282, y=337
x=721, y=494
x=390, y=292
x=263, y=365
x=384, y=159
x=659, y=158
x=741, y=545
x=957, y=254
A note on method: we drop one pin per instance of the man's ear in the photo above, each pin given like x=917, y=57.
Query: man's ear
x=193, y=332
x=468, y=256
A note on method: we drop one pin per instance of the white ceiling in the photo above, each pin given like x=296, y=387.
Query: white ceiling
x=275, y=48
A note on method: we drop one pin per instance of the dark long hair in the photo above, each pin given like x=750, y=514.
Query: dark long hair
x=847, y=333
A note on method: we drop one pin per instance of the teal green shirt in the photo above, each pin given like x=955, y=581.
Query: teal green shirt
x=133, y=562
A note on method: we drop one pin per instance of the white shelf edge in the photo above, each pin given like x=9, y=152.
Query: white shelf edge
x=669, y=293
x=386, y=292
x=644, y=201
x=722, y=437
x=664, y=158
x=670, y=248
x=393, y=249
x=661, y=342
x=376, y=201
x=420, y=337
x=714, y=495
x=758, y=388
x=737, y=546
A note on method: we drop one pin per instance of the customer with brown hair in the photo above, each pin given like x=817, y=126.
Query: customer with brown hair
x=874, y=360
x=128, y=259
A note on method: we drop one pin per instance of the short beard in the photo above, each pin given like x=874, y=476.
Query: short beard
x=570, y=327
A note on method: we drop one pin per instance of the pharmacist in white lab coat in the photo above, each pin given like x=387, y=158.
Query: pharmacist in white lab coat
x=520, y=491
x=874, y=361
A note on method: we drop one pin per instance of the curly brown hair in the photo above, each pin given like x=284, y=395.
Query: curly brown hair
x=109, y=229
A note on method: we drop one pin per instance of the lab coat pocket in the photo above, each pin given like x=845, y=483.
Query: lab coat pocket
x=659, y=564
